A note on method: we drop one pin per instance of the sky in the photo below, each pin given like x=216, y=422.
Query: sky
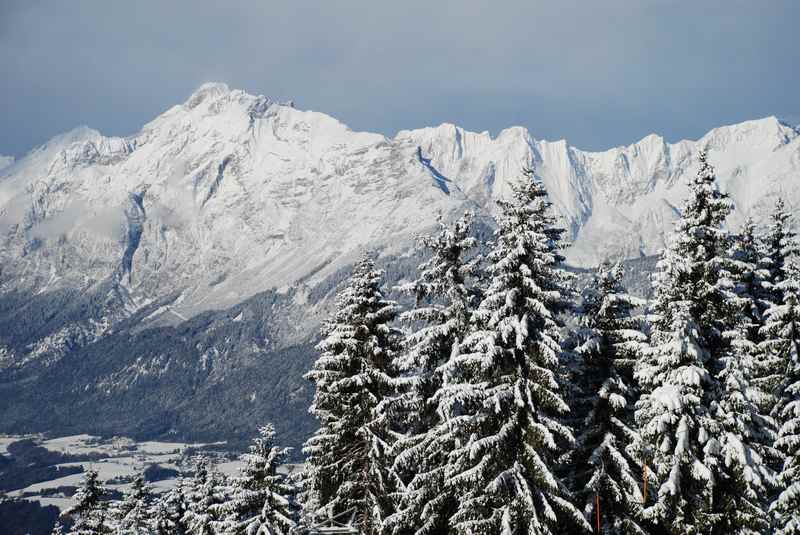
x=597, y=73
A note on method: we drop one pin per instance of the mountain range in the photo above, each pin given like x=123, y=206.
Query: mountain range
x=172, y=281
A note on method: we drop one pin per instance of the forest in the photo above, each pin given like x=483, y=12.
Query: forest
x=507, y=400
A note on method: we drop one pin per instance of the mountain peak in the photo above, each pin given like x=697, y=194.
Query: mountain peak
x=767, y=132
x=769, y=124
x=766, y=125
x=208, y=90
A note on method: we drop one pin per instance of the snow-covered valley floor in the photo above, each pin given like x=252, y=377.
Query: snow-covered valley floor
x=117, y=461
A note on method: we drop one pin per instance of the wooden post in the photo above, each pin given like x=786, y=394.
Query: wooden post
x=644, y=494
x=597, y=510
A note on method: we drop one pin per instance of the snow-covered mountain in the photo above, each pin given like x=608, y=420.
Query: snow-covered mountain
x=229, y=194
x=186, y=227
x=621, y=202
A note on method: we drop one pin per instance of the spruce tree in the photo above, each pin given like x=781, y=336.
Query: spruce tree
x=131, y=516
x=678, y=375
x=169, y=511
x=501, y=388
x=780, y=244
x=444, y=302
x=261, y=499
x=782, y=340
x=89, y=513
x=162, y=523
x=753, y=291
x=606, y=474
x=742, y=477
x=204, y=500
x=348, y=468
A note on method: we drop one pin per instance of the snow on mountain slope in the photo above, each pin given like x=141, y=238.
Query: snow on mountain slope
x=5, y=161
x=229, y=194
x=221, y=197
x=621, y=202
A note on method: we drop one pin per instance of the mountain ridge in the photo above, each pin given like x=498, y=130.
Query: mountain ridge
x=237, y=157
x=227, y=172
x=232, y=218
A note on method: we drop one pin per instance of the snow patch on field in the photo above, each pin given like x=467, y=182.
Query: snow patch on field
x=116, y=460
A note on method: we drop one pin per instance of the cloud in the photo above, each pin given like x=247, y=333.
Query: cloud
x=178, y=207
x=597, y=73
x=173, y=206
x=12, y=212
x=108, y=223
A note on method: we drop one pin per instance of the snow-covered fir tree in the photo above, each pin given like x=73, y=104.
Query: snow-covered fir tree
x=780, y=244
x=131, y=516
x=753, y=293
x=673, y=424
x=261, y=499
x=205, y=500
x=751, y=266
x=444, y=298
x=88, y=515
x=742, y=476
x=782, y=339
x=162, y=522
x=678, y=375
x=348, y=475
x=169, y=511
x=502, y=391
x=605, y=472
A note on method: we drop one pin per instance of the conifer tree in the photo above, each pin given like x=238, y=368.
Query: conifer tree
x=782, y=339
x=261, y=499
x=501, y=388
x=444, y=303
x=131, y=515
x=162, y=519
x=742, y=476
x=678, y=375
x=348, y=468
x=169, y=511
x=89, y=513
x=753, y=292
x=780, y=244
x=673, y=424
x=606, y=474
x=204, y=501
x=751, y=267
x=217, y=497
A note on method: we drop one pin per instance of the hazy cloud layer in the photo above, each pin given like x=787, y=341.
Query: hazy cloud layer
x=597, y=73
x=108, y=223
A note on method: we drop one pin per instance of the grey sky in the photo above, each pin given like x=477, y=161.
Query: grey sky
x=599, y=73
